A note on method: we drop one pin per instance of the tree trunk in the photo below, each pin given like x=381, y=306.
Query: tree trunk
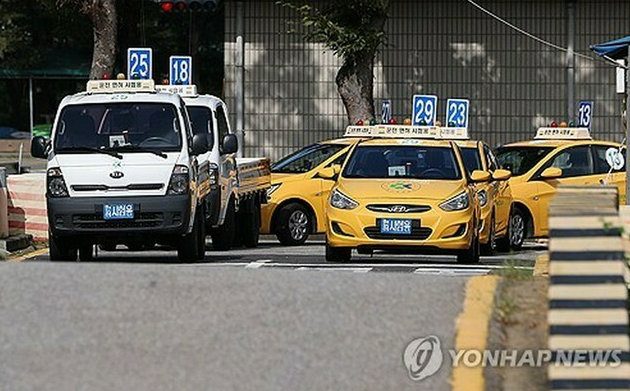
x=355, y=83
x=105, y=22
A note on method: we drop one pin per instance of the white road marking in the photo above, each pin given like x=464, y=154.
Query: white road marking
x=345, y=269
x=257, y=264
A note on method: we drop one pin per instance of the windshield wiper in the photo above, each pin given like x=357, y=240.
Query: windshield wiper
x=89, y=149
x=130, y=147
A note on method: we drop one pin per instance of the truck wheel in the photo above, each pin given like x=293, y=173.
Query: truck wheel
x=293, y=225
x=471, y=254
x=490, y=247
x=250, y=226
x=59, y=249
x=188, y=246
x=86, y=253
x=223, y=236
x=338, y=254
x=201, y=237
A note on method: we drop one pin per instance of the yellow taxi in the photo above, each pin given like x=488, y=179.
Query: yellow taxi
x=556, y=156
x=296, y=199
x=495, y=196
x=404, y=189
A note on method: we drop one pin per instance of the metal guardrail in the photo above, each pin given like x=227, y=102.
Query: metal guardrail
x=588, y=295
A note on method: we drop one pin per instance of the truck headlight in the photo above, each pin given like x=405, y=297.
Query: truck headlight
x=56, y=184
x=459, y=202
x=179, y=183
x=342, y=201
x=482, y=195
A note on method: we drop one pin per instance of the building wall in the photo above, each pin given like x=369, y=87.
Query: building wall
x=448, y=48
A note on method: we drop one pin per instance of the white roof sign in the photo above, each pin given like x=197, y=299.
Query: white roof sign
x=393, y=131
x=563, y=134
x=119, y=86
x=189, y=90
x=452, y=133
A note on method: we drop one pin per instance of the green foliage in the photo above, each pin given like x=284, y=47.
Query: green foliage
x=350, y=28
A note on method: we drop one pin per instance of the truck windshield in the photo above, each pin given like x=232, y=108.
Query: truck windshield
x=306, y=158
x=201, y=119
x=385, y=161
x=520, y=160
x=135, y=127
x=471, y=158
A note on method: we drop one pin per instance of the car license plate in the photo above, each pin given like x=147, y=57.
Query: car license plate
x=396, y=226
x=117, y=211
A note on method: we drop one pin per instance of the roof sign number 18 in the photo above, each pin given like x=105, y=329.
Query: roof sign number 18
x=424, y=110
x=181, y=70
x=585, y=114
x=140, y=63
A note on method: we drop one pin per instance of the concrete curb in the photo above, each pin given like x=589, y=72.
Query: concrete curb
x=587, y=291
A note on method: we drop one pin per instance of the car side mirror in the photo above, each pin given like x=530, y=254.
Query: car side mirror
x=39, y=147
x=501, y=175
x=199, y=144
x=230, y=144
x=336, y=168
x=551, y=173
x=327, y=173
x=480, y=176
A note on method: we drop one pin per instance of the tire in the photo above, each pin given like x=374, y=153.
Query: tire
x=489, y=248
x=293, y=225
x=470, y=255
x=201, y=236
x=250, y=227
x=60, y=250
x=517, y=230
x=188, y=246
x=86, y=253
x=223, y=236
x=338, y=254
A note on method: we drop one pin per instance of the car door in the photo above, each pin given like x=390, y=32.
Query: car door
x=502, y=192
x=577, y=169
x=612, y=168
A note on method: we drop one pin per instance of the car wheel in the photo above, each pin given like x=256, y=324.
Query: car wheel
x=223, y=236
x=293, y=225
x=86, y=253
x=489, y=248
x=60, y=250
x=338, y=254
x=517, y=230
x=470, y=255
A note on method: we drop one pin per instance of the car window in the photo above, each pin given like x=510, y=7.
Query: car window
x=306, y=158
x=574, y=162
x=471, y=158
x=411, y=162
x=520, y=159
x=338, y=160
x=491, y=160
x=604, y=164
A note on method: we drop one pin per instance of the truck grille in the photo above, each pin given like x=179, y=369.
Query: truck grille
x=96, y=221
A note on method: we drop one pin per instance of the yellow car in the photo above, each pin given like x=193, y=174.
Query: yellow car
x=557, y=156
x=403, y=190
x=495, y=196
x=295, y=207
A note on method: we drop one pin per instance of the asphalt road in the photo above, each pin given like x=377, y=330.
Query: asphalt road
x=271, y=318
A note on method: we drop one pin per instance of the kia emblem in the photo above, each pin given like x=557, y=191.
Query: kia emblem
x=116, y=175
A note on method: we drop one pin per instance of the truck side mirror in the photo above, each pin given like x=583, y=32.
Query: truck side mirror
x=39, y=147
x=210, y=140
x=230, y=144
x=199, y=144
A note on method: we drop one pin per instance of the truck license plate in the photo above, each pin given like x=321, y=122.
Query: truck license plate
x=117, y=211
x=396, y=226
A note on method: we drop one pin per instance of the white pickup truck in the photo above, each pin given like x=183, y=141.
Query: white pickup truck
x=126, y=167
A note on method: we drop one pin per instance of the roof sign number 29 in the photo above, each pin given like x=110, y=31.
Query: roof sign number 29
x=424, y=110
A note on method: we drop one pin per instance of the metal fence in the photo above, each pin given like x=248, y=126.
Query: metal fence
x=448, y=48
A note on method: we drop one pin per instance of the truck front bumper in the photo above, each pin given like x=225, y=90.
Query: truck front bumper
x=153, y=215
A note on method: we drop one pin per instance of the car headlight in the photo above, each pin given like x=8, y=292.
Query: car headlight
x=342, y=201
x=273, y=188
x=56, y=184
x=482, y=195
x=179, y=183
x=459, y=202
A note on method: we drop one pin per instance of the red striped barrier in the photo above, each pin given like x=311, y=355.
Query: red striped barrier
x=27, y=205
